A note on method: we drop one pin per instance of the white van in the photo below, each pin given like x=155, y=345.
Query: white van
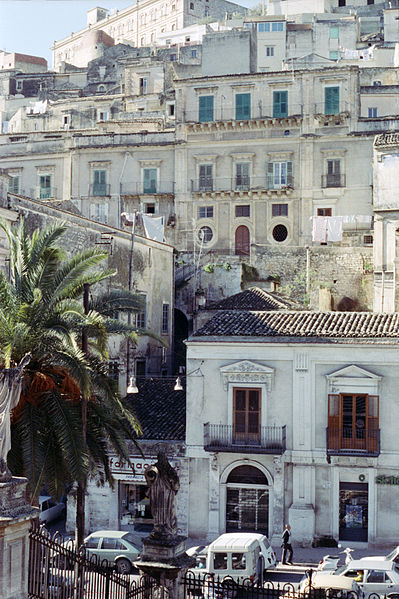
x=239, y=556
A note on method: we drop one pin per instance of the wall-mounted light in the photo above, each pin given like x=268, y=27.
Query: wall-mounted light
x=178, y=386
x=132, y=387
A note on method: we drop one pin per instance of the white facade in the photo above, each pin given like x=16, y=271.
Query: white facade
x=307, y=484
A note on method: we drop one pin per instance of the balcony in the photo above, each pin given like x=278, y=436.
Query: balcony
x=136, y=188
x=333, y=180
x=44, y=193
x=353, y=442
x=223, y=437
x=243, y=186
x=99, y=190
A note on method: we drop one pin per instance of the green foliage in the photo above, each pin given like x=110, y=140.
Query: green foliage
x=210, y=268
x=249, y=273
x=41, y=313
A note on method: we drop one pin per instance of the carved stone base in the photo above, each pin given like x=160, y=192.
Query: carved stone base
x=15, y=516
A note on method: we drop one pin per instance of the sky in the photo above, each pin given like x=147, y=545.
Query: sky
x=31, y=26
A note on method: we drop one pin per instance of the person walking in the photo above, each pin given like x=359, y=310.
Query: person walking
x=286, y=545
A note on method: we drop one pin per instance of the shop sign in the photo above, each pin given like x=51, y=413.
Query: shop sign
x=122, y=471
x=387, y=480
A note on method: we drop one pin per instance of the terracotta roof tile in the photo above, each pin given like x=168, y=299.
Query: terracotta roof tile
x=253, y=298
x=312, y=325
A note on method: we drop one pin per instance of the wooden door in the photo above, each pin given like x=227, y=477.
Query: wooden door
x=246, y=425
x=242, y=241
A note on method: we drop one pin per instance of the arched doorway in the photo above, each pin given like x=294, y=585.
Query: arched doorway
x=247, y=500
x=242, y=241
x=181, y=333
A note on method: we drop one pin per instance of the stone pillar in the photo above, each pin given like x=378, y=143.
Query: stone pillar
x=15, y=517
x=278, y=501
x=214, y=500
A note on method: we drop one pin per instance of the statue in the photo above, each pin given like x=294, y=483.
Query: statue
x=163, y=484
x=10, y=391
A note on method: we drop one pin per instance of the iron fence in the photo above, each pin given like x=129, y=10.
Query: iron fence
x=225, y=437
x=58, y=571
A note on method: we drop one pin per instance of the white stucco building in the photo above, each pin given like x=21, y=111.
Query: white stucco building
x=291, y=418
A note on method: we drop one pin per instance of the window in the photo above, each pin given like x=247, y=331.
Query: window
x=99, y=212
x=19, y=85
x=99, y=183
x=140, y=367
x=372, y=113
x=165, y=319
x=66, y=119
x=280, y=233
x=205, y=109
x=92, y=543
x=280, y=104
x=205, y=177
x=269, y=51
x=220, y=561
x=279, y=209
x=44, y=187
x=150, y=176
x=13, y=184
x=149, y=208
x=242, y=175
x=142, y=86
x=238, y=561
x=243, y=210
x=191, y=5
x=341, y=2
x=173, y=57
x=193, y=53
x=324, y=211
x=263, y=27
x=353, y=421
x=246, y=414
x=243, y=107
x=279, y=174
x=334, y=55
x=205, y=235
x=141, y=316
x=370, y=2
x=205, y=211
x=334, y=33
x=278, y=26
x=333, y=173
x=102, y=114
x=247, y=501
x=242, y=241
x=331, y=100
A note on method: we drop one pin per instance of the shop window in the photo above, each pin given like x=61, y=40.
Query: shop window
x=353, y=511
x=134, y=504
x=243, y=210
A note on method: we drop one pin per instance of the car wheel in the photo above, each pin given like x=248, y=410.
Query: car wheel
x=123, y=566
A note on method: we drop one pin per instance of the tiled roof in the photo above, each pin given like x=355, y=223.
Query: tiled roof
x=31, y=59
x=160, y=410
x=311, y=325
x=253, y=298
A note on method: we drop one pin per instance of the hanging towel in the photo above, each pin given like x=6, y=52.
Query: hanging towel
x=154, y=227
x=319, y=229
x=334, y=228
x=363, y=218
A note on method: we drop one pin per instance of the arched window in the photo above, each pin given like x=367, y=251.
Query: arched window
x=247, y=500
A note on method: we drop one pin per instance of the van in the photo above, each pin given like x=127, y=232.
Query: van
x=237, y=556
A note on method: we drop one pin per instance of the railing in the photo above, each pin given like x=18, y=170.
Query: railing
x=224, y=437
x=138, y=188
x=210, y=184
x=58, y=571
x=228, y=113
x=99, y=190
x=353, y=441
x=322, y=108
x=44, y=193
x=333, y=180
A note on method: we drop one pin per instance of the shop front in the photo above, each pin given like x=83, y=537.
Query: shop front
x=353, y=511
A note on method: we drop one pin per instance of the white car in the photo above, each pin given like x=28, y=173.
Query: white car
x=49, y=509
x=372, y=576
x=393, y=556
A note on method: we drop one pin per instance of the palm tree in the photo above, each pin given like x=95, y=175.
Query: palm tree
x=41, y=313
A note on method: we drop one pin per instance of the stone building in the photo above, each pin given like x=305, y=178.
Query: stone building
x=289, y=419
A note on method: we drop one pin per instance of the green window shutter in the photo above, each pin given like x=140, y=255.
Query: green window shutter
x=243, y=107
x=280, y=104
x=290, y=179
x=205, y=109
x=331, y=100
x=150, y=180
x=269, y=172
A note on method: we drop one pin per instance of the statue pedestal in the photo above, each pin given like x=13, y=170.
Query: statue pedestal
x=15, y=517
x=166, y=560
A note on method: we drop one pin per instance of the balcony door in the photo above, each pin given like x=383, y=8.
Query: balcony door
x=246, y=425
x=242, y=241
x=353, y=422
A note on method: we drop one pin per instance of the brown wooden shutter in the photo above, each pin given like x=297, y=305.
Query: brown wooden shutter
x=373, y=422
x=334, y=421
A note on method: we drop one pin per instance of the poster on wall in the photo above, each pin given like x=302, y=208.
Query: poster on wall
x=354, y=516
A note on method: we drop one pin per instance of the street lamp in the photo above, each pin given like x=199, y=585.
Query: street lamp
x=132, y=387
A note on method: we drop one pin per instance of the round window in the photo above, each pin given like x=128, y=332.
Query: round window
x=280, y=233
x=205, y=234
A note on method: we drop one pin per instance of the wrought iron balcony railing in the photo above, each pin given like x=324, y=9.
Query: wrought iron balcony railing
x=224, y=437
x=333, y=180
x=353, y=441
x=99, y=190
x=242, y=184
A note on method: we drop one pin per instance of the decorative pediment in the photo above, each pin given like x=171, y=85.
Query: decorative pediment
x=353, y=376
x=247, y=371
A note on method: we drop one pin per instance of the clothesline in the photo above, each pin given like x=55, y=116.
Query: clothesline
x=329, y=228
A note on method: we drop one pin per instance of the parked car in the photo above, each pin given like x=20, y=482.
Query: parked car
x=115, y=546
x=393, y=556
x=237, y=556
x=49, y=509
x=325, y=585
x=372, y=576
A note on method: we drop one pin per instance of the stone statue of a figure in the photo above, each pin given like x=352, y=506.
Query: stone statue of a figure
x=163, y=484
x=10, y=391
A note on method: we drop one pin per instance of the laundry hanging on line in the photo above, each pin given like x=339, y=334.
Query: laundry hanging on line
x=326, y=228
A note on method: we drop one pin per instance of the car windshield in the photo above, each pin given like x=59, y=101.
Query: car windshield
x=340, y=570
x=392, y=555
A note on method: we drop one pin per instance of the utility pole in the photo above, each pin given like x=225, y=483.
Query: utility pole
x=81, y=489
